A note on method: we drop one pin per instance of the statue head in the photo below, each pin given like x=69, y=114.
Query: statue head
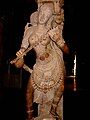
x=45, y=13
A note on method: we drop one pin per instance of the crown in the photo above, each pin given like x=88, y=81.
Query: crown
x=57, y=4
x=43, y=1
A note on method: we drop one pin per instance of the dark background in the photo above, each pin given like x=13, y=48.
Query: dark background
x=13, y=17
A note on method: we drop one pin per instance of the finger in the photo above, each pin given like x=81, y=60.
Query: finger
x=19, y=53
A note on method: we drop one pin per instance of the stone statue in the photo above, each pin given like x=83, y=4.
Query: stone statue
x=46, y=83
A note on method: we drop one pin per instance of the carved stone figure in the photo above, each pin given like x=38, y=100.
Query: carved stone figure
x=46, y=83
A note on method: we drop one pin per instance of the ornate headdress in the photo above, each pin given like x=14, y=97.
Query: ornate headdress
x=57, y=4
x=60, y=1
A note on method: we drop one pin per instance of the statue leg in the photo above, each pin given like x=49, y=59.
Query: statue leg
x=29, y=101
x=57, y=97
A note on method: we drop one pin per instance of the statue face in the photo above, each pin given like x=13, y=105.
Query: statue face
x=45, y=13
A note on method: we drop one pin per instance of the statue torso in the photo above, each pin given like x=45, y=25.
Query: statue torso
x=39, y=39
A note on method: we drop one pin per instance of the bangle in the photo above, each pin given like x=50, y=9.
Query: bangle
x=23, y=48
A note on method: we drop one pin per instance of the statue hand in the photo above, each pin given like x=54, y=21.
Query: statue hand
x=20, y=52
x=19, y=63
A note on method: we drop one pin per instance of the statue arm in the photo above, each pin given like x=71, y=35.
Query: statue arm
x=24, y=47
x=56, y=36
x=27, y=33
